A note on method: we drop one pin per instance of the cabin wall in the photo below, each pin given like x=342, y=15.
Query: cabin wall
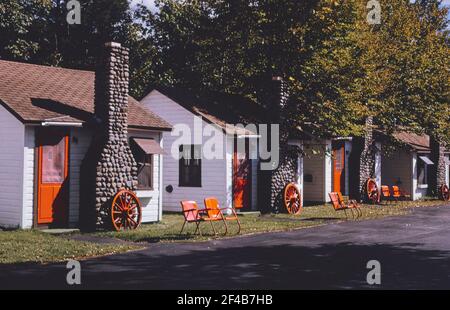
x=317, y=165
x=397, y=169
x=151, y=200
x=378, y=164
x=12, y=141
x=28, y=177
x=215, y=178
x=418, y=191
x=447, y=170
x=80, y=140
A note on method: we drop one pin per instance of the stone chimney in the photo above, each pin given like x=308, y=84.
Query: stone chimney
x=115, y=165
x=275, y=181
x=367, y=158
x=437, y=171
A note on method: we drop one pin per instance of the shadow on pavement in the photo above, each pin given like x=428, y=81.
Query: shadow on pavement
x=204, y=266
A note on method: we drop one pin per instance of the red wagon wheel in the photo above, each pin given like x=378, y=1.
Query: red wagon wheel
x=445, y=192
x=126, y=211
x=292, y=199
x=373, y=194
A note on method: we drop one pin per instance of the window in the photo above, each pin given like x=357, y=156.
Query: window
x=190, y=166
x=145, y=167
x=422, y=169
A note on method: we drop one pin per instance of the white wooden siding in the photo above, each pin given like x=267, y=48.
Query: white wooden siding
x=28, y=177
x=214, y=171
x=328, y=171
x=447, y=170
x=318, y=165
x=397, y=167
x=378, y=164
x=229, y=171
x=12, y=137
x=417, y=192
x=80, y=140
x=299, y=171
x=151, y=199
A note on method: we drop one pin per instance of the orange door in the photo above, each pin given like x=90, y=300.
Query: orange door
x=53, y=147
x=241, y=177
x=339, y=167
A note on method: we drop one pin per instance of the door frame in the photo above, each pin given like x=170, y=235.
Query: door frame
x=38, y=175
x=342, y=148
x=248, y=188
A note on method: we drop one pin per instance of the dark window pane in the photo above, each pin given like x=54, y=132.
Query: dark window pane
x=190, y=165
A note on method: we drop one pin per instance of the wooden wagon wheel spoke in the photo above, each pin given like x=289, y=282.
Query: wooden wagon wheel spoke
x=444, y=192
x=131, y=220
x=118, y=206
x=292, y=199
x=126, y=211
x=372, y=190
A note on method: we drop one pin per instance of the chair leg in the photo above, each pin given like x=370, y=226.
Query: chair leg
x=358, y=212
x=353, y=214
x=226, y=226
x=239, y=225
x=198, y=229
x=182, y=228
x=214, y=230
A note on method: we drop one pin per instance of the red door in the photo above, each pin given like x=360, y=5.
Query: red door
x=241, y=177
x=339, y=167
x=53, y=147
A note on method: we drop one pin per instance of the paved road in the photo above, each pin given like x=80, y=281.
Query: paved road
x=414, y=252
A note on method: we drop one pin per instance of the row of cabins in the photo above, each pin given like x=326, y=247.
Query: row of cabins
x=49, y=118
x=327, y=164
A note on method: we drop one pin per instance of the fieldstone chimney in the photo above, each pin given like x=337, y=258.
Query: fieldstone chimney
x=438, y=170
x=367, y=158
x=109, y=164
x=275, y=181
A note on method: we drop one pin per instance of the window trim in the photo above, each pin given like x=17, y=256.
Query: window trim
x=197, y=184
x=136, y=147
x=425, y=165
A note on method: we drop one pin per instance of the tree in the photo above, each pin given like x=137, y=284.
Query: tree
x=405, y=66
x=235, y=46
x=17, y=18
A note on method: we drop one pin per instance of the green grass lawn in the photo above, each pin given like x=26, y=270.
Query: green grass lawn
x=168, y=229
x=33, y=246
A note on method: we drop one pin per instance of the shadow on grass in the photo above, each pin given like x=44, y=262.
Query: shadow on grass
x=300, y=219
x=241, y=265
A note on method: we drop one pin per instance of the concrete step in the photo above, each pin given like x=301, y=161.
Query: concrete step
x=61, y=231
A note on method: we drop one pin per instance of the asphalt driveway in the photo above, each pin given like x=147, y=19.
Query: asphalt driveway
x=413, y=250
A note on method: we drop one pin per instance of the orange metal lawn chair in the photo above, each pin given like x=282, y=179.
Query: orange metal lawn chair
x=386, y=193
x=398, y=193
x=213, y=208
x=339, y=205
x=192, y=214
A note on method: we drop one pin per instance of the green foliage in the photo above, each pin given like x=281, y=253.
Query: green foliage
x=339, y=68
x=16, y=20
x=405, y=65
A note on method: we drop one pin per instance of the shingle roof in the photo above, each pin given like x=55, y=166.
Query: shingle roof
x=417, y=142
x=35, y=93
x=221, y=109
